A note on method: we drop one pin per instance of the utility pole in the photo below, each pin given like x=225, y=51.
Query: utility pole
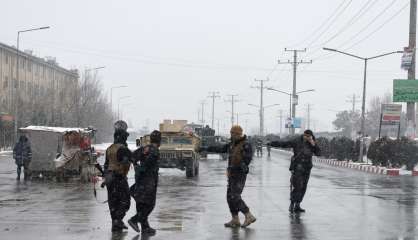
x=410, y=107
x=233, y=100
x=281, y=121
x=213, y=95
x=202, y=119
x=309, y=116
x=353, y=100
x=295, y=64
x=261, y=111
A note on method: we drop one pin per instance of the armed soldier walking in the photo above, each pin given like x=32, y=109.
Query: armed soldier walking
x=116, y=168
x=240, y=155
x=304, y=147
x=22, y=154
x=144, y=191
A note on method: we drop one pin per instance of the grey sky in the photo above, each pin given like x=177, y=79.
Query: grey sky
x=172, y=53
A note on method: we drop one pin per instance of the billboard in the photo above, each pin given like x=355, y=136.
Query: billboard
x=391, y=114
x=293, y=123
x=405, y=90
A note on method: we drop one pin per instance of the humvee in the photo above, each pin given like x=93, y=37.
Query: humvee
x=178, y=150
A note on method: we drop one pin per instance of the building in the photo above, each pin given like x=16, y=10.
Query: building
x=37, y=77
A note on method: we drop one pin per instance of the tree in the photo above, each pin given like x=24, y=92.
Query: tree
x=347, y=122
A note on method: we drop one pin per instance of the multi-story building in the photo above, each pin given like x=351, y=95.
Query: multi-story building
x=37, y=77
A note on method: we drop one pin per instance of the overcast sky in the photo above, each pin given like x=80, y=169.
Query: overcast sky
x=172, y=53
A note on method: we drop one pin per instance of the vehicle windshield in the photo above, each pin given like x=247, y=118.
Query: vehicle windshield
x=182, y=140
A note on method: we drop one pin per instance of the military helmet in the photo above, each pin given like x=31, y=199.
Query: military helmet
x=155, y=136
x=121, y=125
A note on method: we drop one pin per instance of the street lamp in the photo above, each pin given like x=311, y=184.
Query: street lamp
x=121, y=98
x=363, y=106
x=111, y=97
x=290, y=100
x=17, y=94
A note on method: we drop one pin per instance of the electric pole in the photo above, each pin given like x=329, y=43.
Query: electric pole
x=233, y=100
x=309, y=116
x=295, y=62
x=410, y=106
x=261, y=87
x=202, y=119
x=353, y=100
x=281, y=121
x=213, y=95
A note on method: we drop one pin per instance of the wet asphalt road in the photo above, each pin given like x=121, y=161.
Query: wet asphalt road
x=340, y=203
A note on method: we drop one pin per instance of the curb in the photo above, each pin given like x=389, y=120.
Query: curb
x=366, y=167
x=362, y=167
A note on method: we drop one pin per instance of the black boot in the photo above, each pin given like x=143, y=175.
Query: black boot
x=18, y=177
x=133, y=223
x=146, y=229
x=124, y=225
x=292, y=207
x=298, y=208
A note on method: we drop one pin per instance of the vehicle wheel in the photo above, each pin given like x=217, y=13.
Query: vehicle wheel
x=190, y=171
x=196, y=170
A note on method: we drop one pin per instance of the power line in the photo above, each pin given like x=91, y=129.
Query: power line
x=332, y=22
x=322, y=25
x=365, y=28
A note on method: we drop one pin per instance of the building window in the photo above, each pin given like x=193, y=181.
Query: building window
x=6, y=56
x=22, y=63
x=30, y=67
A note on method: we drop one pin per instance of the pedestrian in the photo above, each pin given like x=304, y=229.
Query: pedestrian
x=22, y=154
x=239, y=157
x=259, y=148
x=116, y=168
x=144, y=191
x=304, y=147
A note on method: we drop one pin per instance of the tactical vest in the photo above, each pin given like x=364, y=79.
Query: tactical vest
x=114, y=164
x=236, y=153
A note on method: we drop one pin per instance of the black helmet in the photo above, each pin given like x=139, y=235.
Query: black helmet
x=120, y=125
x=155, y=137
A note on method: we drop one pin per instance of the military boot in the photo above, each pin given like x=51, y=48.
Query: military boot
x=146, y=229
x=234, y=223
x=249, y=218
x=298, y=209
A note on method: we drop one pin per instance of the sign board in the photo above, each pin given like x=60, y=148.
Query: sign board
x=297, y=122
x=405, y=90
x=407, y=58
x=391, y=114
x=295, y=99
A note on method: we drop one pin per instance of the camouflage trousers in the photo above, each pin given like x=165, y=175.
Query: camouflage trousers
x=236, y=184
x=119, y=199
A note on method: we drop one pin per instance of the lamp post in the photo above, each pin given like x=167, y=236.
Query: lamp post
x=121, y=98
x=363, y=105
x=111, y=97
x=291, y=113
x=16, y=85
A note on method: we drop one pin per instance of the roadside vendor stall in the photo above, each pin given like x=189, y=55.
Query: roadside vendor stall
x=61, y=153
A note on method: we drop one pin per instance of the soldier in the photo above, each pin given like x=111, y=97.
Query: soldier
x=240, y=155
x=144, y=191
x=259, y=148
x=22, y=154
x=304, y=147
x=116, y=168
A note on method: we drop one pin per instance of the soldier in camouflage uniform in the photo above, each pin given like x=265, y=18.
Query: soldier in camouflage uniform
x=240, y=155
x=144, y=191
x=116, y=168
